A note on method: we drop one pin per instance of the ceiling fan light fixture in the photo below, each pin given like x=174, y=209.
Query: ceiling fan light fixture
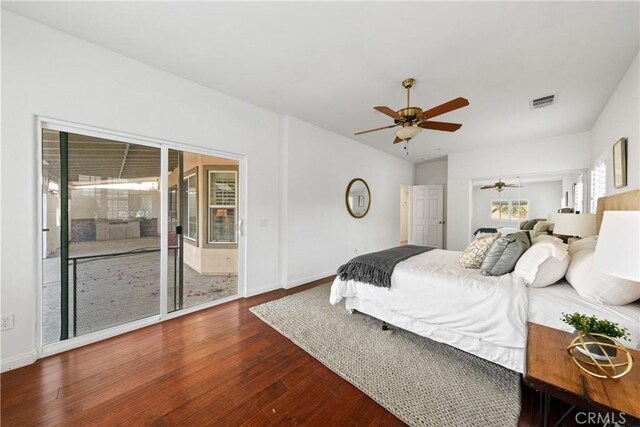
x=408, y=132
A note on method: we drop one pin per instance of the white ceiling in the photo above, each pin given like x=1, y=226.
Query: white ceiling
x=330, y=63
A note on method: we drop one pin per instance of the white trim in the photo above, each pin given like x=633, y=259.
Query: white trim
x=243, y=209
x=164, y=229
x=71, y=343
x=309, y=279
x=42, y=350
x=40, y=240
x=18, y=361
x=203, y=306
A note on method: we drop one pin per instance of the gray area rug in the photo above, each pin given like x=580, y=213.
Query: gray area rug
x=422, y=382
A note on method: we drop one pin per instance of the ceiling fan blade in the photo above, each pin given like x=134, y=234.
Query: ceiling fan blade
x=395, y=141
x=454, y=104
x=447, y=127
x=389, y=112
x=486, y=187
x=373, y=130
x=513, y=185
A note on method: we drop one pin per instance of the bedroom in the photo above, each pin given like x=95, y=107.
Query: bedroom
x=293, y=127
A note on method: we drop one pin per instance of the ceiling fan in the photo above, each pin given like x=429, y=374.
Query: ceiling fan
x=413, y=119
x=499, y=186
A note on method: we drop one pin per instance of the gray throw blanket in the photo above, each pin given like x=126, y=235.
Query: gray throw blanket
x=376, y=268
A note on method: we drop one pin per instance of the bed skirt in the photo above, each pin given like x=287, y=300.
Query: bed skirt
x=509, y=357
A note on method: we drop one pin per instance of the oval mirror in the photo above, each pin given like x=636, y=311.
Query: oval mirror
x=358, y=198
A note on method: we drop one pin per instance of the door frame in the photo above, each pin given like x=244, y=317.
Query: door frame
x=42, y=122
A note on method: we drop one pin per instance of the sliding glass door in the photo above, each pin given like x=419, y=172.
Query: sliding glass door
x=102, y=225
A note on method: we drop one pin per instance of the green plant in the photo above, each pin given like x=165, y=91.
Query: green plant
x=593, y=325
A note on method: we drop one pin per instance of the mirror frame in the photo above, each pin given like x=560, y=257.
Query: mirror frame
x=346, y=198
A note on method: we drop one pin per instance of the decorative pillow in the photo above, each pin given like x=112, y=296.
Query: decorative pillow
x=543, y=264
x=504, y=253
x=541, y=226
x=597, y=286
x=477, y=250
x=586, y=243
x=546, y=238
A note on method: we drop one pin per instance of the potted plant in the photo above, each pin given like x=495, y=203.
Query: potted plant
x=589, y=325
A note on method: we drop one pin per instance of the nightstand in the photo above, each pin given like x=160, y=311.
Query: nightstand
x=550, y=370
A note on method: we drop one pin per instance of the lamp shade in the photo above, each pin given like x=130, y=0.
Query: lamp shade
x=618, y=247
x=568, y=224
x=408, y=132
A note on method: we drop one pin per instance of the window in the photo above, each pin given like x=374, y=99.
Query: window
x=191, y=182
x=222, y=206
x=598, y=183
x=509, y=210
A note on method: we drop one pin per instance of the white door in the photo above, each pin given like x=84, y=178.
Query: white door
x=426, y=215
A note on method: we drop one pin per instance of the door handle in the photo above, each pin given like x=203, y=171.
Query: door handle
x=45, y=229
x=440, y=222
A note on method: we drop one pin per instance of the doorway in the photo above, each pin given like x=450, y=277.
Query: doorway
x=125, y=242
x=426, y=219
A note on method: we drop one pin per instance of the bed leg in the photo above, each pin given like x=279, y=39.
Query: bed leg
x=351, y=310
x=385, y=327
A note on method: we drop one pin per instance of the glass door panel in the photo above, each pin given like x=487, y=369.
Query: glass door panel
x=202, y=229
x=108, y=234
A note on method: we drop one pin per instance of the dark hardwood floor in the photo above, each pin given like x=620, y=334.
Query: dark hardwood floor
x=221, y=366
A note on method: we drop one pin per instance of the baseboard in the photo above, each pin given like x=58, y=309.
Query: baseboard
x=327, y=275
x=18, y=361
x=265, y=289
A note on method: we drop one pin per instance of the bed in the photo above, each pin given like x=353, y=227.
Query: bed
x=432, y=296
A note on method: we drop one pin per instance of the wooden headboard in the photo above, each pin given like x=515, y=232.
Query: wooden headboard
x=629, y=201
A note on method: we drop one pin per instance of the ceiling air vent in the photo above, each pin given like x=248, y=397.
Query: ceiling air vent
x=545, y=101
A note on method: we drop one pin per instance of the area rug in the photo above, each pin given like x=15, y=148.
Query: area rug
x=422, y=382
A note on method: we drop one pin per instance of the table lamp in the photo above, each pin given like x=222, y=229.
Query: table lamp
x=618, y=247
x=574, y=225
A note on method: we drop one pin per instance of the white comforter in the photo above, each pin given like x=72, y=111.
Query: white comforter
x=433, y=288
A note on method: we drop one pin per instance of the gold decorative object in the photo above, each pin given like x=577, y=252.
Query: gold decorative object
x=613, y=367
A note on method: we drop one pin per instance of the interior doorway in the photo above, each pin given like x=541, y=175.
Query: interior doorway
x=426, y=220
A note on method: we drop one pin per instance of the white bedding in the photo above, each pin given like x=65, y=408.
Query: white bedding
x=547, y=304
x=434, y=289
x=432, y=296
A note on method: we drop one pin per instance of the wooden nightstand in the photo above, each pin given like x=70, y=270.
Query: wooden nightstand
x=550, y=370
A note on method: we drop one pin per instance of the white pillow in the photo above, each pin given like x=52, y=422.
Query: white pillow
x=596, y=286
x=546, y=238
x=587, y=242
x=543, y=264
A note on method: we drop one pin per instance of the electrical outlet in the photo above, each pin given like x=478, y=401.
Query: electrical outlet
x=7, y=321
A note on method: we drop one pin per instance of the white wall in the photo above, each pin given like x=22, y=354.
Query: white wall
x=432, y=172
x=45, y=72
x=435, y=172
x=320, y=233
x=543, y=198
x=49, y=73
x=562, y=153
x=620, y=118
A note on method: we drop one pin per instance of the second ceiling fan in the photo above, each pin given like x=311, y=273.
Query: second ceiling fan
x=413, y=119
